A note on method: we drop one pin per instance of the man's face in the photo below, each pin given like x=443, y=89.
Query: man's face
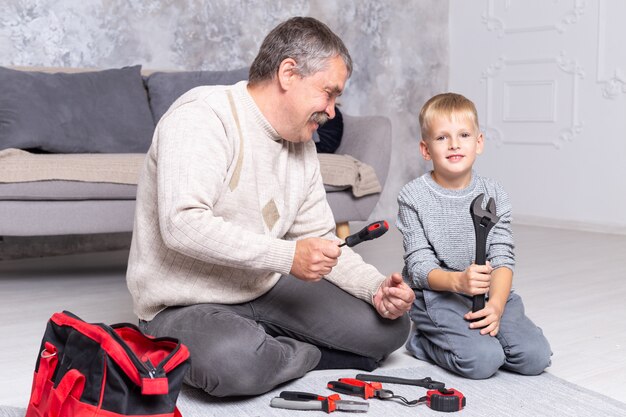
x=312, y=100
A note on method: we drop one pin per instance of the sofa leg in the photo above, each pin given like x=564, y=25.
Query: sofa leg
x=343, y=230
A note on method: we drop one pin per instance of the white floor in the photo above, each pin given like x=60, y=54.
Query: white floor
x=573, y=284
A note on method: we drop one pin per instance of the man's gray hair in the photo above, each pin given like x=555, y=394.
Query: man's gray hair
x=306, y=40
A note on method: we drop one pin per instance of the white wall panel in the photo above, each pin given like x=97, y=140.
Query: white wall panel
x=549, y=81
x=611, y=64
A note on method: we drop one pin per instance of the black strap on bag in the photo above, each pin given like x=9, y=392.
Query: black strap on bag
x=95, y=369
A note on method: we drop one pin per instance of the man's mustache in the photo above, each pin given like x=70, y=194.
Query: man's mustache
x=320, y=118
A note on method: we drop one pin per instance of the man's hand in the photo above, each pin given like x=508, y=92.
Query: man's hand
x=394, y=297
x=475, y=280
x=314, y=258
x=490, y=315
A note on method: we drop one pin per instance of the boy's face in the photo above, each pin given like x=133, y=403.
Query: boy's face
x=452, y=145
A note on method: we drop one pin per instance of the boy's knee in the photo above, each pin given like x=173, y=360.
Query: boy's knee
x=533, y=360
x=479, y=364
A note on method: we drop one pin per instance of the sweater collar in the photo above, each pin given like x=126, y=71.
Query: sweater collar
x=248, y=102
x=430, y=182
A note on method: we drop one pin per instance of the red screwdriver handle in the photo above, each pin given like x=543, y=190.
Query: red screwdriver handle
x=369, y=232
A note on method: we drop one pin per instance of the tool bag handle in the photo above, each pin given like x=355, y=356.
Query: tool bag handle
x=153, y=381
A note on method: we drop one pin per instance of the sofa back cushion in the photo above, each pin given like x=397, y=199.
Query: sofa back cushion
x=85, y=112
x=165, y=87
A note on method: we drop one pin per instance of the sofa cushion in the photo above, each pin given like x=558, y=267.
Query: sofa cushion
x=87, y=112
x=66, y=190
x=165, y=87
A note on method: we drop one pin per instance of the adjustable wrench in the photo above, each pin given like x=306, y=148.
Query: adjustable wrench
x=484, y=220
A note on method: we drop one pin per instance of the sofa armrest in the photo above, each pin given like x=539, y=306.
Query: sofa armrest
x=368, y=139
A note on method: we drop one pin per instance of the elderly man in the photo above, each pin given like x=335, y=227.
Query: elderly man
x=233, y=249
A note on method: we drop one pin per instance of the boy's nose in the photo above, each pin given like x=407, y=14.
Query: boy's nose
x=454, y=143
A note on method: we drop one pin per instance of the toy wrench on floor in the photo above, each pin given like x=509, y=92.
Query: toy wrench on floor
x=294, y=400
x=484, y=220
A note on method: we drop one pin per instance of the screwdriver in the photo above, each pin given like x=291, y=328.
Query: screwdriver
x=370, y=232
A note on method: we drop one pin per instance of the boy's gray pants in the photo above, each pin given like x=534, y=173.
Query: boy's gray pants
x=443, y=336
x=249, y=348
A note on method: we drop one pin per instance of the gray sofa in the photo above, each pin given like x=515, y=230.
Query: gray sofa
x=64, y=207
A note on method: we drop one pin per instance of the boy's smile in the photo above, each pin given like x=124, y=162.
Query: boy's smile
x=452, y=146
x=455, y=157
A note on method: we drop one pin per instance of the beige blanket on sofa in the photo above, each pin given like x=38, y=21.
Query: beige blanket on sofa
x=20, y=166
x=345, y=171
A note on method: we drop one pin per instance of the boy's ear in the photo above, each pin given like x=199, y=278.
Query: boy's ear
x=424, y=150
x=287, y=72
x=480, y=143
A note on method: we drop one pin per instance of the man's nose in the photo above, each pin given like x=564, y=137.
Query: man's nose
x=330, y=109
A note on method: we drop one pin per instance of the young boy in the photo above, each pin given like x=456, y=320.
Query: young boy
x=439, y=244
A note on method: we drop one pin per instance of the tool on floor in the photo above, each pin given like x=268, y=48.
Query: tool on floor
x=484, y=220
x=295, y=400
x=369, y=232
x=438, y=397
x=427, y=382
x=365, y=390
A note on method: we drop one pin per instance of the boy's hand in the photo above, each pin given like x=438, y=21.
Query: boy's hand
x=490, y=315
x=394, y=297
x=475, y=280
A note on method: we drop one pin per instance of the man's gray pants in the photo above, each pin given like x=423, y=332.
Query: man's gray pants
x=443, y=336
x=250, y=348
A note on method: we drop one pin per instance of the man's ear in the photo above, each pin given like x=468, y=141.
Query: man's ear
x=424, y=150
x=287, y=73
x=480, y=143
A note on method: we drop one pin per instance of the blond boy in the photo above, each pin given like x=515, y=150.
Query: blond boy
x=439, y=244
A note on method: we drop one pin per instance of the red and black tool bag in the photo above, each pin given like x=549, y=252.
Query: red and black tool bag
x=98, y=370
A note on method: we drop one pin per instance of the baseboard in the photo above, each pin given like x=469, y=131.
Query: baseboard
x=529, y=220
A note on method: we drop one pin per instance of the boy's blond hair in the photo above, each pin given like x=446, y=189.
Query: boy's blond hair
x=449, y=105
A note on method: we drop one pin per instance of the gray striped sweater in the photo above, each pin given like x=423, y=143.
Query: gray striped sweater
x=438, y=232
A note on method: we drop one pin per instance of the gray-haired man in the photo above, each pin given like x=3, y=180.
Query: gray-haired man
x=234, y=251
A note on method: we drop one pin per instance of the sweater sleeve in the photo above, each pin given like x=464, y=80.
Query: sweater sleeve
x=315, y=219
x=501, y=246
x=419, y=256
x=194, y=152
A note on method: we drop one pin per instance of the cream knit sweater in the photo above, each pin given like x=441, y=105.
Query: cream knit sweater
x=220, y=203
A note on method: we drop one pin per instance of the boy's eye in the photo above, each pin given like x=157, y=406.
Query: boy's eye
x=440, y=138
x=465, y=135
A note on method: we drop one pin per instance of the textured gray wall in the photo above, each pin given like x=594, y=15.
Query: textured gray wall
x=400, y=49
